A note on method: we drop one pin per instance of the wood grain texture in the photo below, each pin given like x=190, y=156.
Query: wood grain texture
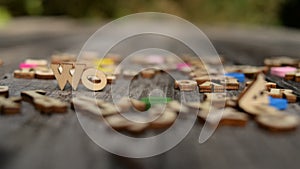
x=32, y=140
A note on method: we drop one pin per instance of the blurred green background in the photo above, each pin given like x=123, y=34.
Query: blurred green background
x=258, y=12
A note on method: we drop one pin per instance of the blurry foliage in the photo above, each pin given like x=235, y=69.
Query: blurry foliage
x=205, y=11
x=4, y=16
x=34, y=7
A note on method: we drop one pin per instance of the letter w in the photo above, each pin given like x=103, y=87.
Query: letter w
x=65, y=75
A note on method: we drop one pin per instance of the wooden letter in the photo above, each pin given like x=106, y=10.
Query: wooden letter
x=4, y=91
x=24, y=73
x=43, y=103
x=65, y=75
x=254, y=95
x=91, y=85
x=9, y=105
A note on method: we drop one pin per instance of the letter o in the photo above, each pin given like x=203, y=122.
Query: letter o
x=90, y=85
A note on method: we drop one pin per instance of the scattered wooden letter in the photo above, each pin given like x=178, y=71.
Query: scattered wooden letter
x=208, y=87
x=38, y=62
x=44, y=103
x=9, y=106
x=62, y=57
x=165, y=120
x=254, y=95
x=231, y=84
x=187, y=85
x=283, y=93
x=44, y=74
x=111, y=79
x=227, y=116
x=65, y=76
x=24, y=73
x=4, y=91
x=279, y=122
x=89, y=84
x=148, y=73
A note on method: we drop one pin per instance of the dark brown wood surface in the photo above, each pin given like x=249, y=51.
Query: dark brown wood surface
x=32, y=140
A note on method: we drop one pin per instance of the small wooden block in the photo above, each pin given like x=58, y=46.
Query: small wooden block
x=297, y=77
x=24, y=73
x=270, y=85
x=208, y=87
x=187, y=85
x=228, y=116
x=176, y=85
x=9, y=106
x=44, y=74
x=4, y=91
x=94, y=106
x=231, y=84
x=109, y=110
x=117, y=122
x=280, y=122
x=290, y=76
x=38, y=62
x=281, y=61
x=276, y=93
x=251, y=72
x=148, y=73
x=129, y=73
x=111, y=79
x=201, y=79
x=233, y=117
x=139, y=105
x=288, y=94
x=137, y=128
x=232, y=69
x=87, y=105
x=283, y=93
x=218, y=88
x=44, y=103
x=139, y=125
x=61, y=58
x=1, y=62
x=165, y=120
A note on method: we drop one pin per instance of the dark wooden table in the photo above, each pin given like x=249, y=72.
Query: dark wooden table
x=32, y=140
